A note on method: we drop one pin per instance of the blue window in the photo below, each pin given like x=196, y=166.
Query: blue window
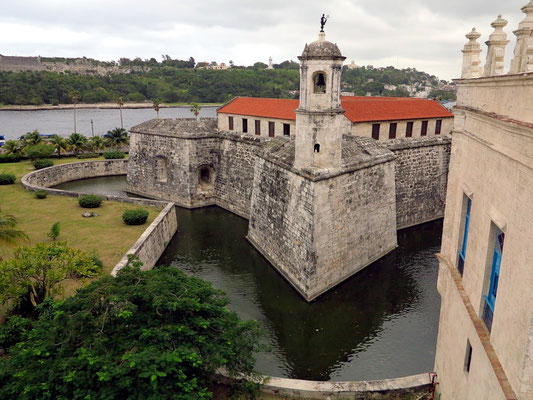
x=490, y=298
x=462, y=253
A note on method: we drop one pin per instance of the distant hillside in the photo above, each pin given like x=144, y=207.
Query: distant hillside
x=173, y=81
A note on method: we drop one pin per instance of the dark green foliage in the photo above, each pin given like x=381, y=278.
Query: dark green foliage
x=7, y=178
x=40, y=194
x=8, y=158
x=82, y=156
x=54, y=231
x=90, y=201
x=42, y=163
x=156, y=334
x=114, y=155
x=137, y=216
x=38, y=151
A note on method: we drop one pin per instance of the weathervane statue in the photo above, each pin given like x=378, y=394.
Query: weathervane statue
x=323, y=21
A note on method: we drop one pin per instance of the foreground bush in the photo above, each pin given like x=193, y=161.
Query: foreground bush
x=8, y=158
x=114, y=155
x=7, y=179
x=41, y=194
x=39, y=151
x=42, y=163
x=135, y=217
x=35, y=273
x=90, y=201
x=82, y=156
x=157, y=334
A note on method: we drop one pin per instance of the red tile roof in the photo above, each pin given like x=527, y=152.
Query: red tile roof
x=358, y=108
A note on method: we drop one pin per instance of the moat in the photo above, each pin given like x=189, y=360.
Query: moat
x=381, y=323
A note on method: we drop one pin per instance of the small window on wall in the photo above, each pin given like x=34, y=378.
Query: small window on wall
x=230, y=123
x=467, y=205
x=320, y=82
x=375, y=131
x=286, y=129
x=468, y=356
x=392, y=130
x=271, y=129
x=424, y=129
x=490, y=297
x=438, y=126
x=409, y=129
x=257, y=127
x=245, y=125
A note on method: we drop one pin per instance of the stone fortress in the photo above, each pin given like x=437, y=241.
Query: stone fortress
x=322, y=203
x=77, y=66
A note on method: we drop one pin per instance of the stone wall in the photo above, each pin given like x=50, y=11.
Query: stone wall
x=421, y=174
x=52, y=176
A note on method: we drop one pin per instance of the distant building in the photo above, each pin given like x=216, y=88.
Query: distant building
x=381, y=118
x=352, y=65
x=485, y=340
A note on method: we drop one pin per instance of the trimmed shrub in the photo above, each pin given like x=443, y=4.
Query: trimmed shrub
x=82, y=156
x=39, y=151
x=42, y=163
x=114, y=155
x=7, y=178
x=41, y=194
x=7, y=158
x=136, y=216
x=90, y=201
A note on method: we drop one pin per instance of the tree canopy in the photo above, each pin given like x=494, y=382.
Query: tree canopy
x=156, y=334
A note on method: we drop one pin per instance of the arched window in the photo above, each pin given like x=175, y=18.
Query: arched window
x=161, y=169
x=319, y=81
x=317, y=148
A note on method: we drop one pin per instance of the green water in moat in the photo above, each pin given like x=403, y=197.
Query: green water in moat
x=381, y=323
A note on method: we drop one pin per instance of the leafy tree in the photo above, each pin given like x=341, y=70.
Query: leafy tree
x=35, y=273
x=156, y=104
x=54, y=231
x=39, y=151
x=195, y=109
x=13, y=147
x=117, y=137
x=77, y=142
x=59, y=143
x=8, y=235
x=260, y=65
x=156, y=334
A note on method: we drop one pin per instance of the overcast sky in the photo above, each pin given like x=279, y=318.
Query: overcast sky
x=425, y=34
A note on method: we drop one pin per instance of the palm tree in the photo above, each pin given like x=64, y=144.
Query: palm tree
x=117, y=137
x=32, y=138
x=156, y=106
x=195, y=109
x=75, y=97
x=8, y=235
x=13, y=147
x=60, y=143
x=96, y=143
x=120, y=103
x=77, y=142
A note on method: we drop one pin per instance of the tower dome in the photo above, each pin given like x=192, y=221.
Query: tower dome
x=321, y=49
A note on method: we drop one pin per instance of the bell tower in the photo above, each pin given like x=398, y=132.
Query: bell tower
x=320, y=120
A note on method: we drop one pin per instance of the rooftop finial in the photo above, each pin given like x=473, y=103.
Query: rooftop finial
x=323, y=21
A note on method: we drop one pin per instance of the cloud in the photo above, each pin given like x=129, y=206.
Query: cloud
x=425, y=34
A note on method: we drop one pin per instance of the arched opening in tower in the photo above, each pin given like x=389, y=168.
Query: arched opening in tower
x=320, y=83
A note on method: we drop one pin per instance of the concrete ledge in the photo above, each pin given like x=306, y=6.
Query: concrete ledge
x=300, y=389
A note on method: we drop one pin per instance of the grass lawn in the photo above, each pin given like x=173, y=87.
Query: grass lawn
x=105, y=235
